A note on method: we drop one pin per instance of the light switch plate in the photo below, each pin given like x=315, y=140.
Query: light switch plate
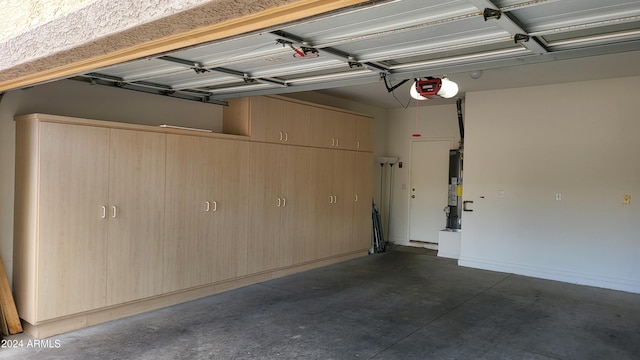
x=558, y=196
x=626, y=200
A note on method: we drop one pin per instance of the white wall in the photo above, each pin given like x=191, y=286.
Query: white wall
x=78, y=99
x=578, y=139
x=434, y=122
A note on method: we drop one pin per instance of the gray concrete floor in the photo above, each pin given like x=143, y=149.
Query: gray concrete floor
x=395, y=305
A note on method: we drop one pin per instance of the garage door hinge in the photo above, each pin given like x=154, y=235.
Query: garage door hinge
x=491, y=14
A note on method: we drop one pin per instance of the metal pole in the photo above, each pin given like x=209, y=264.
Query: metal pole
x=390, y=201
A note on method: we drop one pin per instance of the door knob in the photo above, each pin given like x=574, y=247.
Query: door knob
x=413, y=196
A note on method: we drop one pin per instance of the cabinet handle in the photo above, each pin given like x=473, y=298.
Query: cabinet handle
x=286, y=136
x=284, y=202
x=207, y=206
x=337, y=142
x=357, y=144
x=330, y=199
x=104, y=212
x=280, y=135
x=279, y=202
x=115, y=211
x=333, y=142
x=356, y=197
x=215, y=206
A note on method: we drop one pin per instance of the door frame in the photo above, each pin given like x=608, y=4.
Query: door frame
x=451, y=141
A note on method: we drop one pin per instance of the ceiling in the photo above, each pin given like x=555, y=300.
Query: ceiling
x=360, y=52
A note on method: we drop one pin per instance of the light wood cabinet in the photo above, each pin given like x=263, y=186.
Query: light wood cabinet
x=136, y=215
x=362, y=191
x=333, y=129
x=70, y=246
x=206, y=213
x=293, y=122
x=112, y=219
x=188, y=226
x=99, y=205
x=343, y=201
x=342, y=188
x=231, y=194
x=272, y=119
x=333, y=186
x=278, y=207
x=363, y=133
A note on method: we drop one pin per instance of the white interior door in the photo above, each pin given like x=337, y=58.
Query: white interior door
x=428, y=192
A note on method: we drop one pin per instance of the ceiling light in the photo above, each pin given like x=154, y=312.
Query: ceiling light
x=448, y=89
x=423, y=89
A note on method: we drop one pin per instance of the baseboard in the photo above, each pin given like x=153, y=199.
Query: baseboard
x=90, y=318
x=423, y=244
x=445, y=254
x=600, y=281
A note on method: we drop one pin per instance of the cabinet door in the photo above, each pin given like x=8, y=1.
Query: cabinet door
x=363, y=192
x=363, y=133
x=318, y=244
x=266, y=119
x=280, y=121
x=296, y=122
x=71, y=266
x=342, y=212
x=295, y=219
x=231, y=205
x=189, y=225
x=323, y=127
x=344, y=130
x=265, y=202
x=332, y=129
x=136, y=199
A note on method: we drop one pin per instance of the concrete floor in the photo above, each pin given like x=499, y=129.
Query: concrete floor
x=396, y=305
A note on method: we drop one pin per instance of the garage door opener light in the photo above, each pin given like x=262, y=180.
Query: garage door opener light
x=424, y=89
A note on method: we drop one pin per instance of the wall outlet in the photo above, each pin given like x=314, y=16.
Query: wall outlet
x=626, y=200
x=558, y=196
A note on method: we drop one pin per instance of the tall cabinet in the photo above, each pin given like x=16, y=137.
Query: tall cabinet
x=90, y=238
x=136, y=214
x=324, y=158
x=66, y=221
x=113, y=219
x=206, y=211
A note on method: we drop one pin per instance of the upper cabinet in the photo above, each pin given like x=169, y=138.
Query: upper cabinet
x=269, y=119
x=363, y=133
x=332, y=129
x=292, y=122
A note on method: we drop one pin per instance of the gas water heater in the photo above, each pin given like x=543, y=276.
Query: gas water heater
x=454, y=206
